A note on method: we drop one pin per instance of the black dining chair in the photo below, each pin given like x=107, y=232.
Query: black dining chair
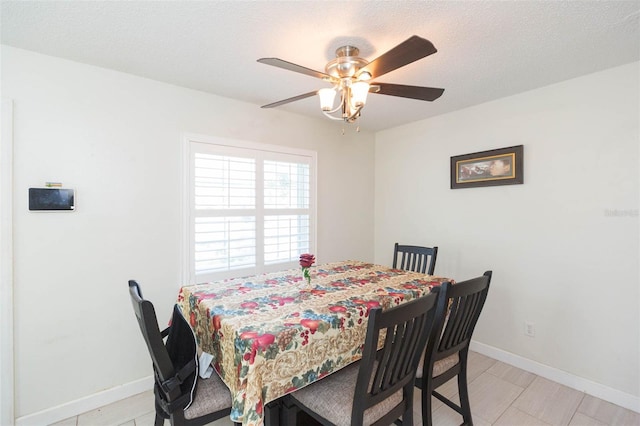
x=415, y=258
x=458, y=310
x=180, y=395
x=378, y=389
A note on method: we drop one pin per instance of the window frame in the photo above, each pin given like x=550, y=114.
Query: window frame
x=262, y=152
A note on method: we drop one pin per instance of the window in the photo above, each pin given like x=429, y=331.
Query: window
x=250, y=208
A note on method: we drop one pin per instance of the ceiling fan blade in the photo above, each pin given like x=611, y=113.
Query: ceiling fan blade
x=408, y=51
x=294, y=67
x=286, y=101
x=403, y=91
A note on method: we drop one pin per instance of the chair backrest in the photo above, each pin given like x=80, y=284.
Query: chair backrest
x=459, y=307
x=153, y=337
x=415, y=258
x=174, y=363
x=405, y=329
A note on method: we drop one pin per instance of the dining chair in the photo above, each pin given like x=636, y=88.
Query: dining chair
x=415, y=258
x=180, y=395
x=458, y=309
x=378, y=389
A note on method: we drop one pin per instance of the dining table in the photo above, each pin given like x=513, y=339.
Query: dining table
x=274, y=333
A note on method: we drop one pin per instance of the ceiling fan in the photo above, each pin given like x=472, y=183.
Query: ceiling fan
x=350, y=74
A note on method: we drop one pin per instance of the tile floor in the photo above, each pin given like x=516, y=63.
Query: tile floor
x=500, y=395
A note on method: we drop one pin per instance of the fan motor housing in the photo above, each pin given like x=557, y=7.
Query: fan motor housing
x=347, y=62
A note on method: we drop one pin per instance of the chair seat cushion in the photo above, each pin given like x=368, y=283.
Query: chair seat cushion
x=211, y=395
x=439, y=366
x=332, y=397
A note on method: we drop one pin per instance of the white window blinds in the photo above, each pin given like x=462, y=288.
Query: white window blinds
x=223, y=182
x=250, y=208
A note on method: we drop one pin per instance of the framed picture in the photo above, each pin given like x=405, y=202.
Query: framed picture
x=488, y=168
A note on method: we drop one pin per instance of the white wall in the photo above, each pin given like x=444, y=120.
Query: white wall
x=560, y=260
x=116, y=139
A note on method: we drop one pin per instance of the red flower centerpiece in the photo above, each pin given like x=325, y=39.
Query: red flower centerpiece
x=306, y=260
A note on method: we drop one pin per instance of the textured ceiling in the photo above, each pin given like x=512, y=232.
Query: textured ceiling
x=486, y=49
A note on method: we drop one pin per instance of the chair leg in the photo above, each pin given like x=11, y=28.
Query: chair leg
x=463, y=390
x=159, y=421
x=408, y=392
x=426, y=404
x=407, y=417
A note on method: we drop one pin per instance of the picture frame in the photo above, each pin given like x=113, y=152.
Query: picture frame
x=495, y=167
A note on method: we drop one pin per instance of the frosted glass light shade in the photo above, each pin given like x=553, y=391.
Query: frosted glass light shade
x=327, y=97
x=359, y=92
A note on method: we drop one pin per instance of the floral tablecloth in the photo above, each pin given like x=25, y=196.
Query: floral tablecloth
x=271, y=334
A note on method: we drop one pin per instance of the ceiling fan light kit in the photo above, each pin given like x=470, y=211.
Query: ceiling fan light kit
x=349, y=75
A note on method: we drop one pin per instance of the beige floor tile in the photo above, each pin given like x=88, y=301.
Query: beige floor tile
x=511, y=374
x=513, y=416
x=146, y=420
x=549, y=401
x=478, y=364
x=477, y=420
x=607, y=412
x=73, y=421
x=129, y=423
x=119, y=412
x=490, y=396
x=445, y=416
x=452, y=414
x=580, y=419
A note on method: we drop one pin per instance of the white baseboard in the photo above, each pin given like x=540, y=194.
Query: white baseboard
x=598, y=390
x=88, y=403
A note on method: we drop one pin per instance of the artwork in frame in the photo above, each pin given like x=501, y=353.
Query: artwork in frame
x=488, y=168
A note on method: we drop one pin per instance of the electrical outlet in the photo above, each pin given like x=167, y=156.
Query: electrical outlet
x=529, y=329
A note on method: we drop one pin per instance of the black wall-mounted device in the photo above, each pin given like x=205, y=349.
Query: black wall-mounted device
x=42, y=199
